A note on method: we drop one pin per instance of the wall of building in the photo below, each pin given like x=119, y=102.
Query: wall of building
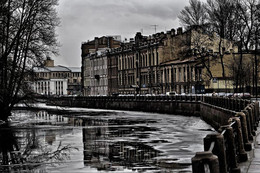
x=177, y=61
x=90, y=49
x=51, y=87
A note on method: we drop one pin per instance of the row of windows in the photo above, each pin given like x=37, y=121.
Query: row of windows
x=42, y=74
x=180, y=74
x=126, y=79
x=101, y=82
x=59, y=74
x=148, y=60
x=145, y=60
x=98, y=62
x=98, y=72
x=99, y=91
x=73, y=81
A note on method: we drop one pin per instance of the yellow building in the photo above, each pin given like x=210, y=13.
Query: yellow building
x=237, y=79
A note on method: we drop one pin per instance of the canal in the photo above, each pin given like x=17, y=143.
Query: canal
x=54, y=139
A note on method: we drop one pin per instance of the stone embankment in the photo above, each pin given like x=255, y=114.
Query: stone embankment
x=235, y=122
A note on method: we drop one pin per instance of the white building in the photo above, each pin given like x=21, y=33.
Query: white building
x=57, y=80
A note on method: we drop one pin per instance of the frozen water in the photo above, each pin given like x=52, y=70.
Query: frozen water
x=109, y=140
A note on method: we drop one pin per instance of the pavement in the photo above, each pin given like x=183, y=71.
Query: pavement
x=253, y=163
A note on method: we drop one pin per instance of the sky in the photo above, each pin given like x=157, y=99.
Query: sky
x=82, y=20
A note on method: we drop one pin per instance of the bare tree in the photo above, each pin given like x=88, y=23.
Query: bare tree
x=241, y=73
x=246, y=34
x=22, y=152
x=221, y=16
x=27, y=32
x=232, y=21
x=201, y=44
x=193, y=15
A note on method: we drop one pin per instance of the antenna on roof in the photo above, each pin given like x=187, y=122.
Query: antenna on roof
x=155, y=26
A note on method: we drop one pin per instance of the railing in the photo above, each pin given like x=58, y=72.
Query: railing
x=234, y=104
x=224, y=150
x=193, y=98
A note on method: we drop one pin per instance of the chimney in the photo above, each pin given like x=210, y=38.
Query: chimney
x=138, y=37
x=49, y=62
x=110, y=42
x=172, y=32
x=162, y=34
x=168, y=34
x=96, y=43
x=179, y=31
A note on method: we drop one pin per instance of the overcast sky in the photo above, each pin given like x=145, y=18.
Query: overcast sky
x=82, y=20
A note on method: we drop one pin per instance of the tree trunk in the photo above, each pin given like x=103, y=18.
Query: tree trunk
x=5, y=113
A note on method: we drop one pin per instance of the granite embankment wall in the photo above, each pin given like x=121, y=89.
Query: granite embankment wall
x=235, y=122
x=184, y=105
x=214, y=110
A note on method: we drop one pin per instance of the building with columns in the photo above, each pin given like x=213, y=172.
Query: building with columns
x=172, y=61
x=57, y=80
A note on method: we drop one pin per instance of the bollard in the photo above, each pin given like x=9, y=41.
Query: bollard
x=250, y=115
x=205, y=158
x=247, y=144
x=256, y=110
x=252, y=105
x=248, y=122
x=242, y=157
x=253, y=116
x=219, y=149
x=232, y=104
x=231, y=149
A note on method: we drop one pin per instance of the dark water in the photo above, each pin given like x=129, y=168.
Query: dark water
x=97, y=140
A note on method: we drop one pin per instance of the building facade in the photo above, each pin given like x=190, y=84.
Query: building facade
x=94, y=64
x=57, y=80
x=98, y=73
x=156, y=64
x=173, y=61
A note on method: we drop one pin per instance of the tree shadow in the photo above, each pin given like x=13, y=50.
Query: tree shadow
x=27, y=153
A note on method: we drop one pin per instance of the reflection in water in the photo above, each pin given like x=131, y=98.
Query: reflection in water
x=108, y=141
x=23, y=150
x=102, y=152
x=8, y=146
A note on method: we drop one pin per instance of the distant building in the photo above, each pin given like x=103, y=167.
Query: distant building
x=94, y=64
x=98, y=73
x=163, y=62
x=180, y=61
x=57, y=80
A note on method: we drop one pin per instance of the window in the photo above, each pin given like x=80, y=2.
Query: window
x=179, y=78
x=157, y=58
x=184, y=74
x=188, y=73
